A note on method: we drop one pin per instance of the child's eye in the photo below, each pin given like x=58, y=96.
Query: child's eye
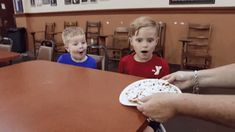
x=75, y=44
x=150, y=40
x=83, y=42
x=138, y=40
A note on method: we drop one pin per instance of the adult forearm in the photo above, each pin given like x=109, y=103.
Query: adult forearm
x=223, y=76
x=216, y=108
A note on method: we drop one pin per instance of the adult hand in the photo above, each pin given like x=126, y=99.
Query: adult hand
x=181, y=79
x=159, y=107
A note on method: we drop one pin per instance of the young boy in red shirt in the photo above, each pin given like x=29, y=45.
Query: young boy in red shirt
x=143, y=39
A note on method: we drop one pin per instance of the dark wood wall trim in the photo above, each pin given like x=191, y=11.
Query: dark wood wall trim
x=194, y=10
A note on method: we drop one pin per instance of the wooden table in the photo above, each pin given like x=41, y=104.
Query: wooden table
x=42, y=96
x=6, y=56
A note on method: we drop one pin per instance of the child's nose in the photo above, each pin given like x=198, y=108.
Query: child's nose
x=80, y=45
x=144, y=44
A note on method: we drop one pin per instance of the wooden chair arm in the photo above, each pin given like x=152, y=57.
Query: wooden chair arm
x=34, y=33
x=56, y=33
x=37, y=32
x=185, y=40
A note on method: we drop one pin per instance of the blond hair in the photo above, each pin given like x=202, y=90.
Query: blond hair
x=140, y=22
x=71, y=32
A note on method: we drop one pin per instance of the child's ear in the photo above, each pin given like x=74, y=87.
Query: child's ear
x=66, y=48
x=157, y=40
x=130, y=40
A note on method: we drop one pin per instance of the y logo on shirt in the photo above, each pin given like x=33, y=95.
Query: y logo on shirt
x=157, y=70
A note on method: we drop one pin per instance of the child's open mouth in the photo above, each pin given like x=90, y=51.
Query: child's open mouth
x=80, y=52
x=144, y=51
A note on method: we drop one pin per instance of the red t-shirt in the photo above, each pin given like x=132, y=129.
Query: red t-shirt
x=155, y=68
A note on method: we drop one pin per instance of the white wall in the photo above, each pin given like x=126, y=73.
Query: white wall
x=117, y=4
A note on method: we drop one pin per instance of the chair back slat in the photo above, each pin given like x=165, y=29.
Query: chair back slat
x=70, y=24
x=49, y=31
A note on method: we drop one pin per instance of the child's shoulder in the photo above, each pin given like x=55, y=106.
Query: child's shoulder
x=127, y=57
x=157, y=58
x=64, y=56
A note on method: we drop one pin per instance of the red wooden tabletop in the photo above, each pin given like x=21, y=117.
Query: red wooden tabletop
x=43, y=96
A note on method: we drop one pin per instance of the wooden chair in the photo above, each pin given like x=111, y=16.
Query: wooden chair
x=49, y=34
x=93, y=30
x=70, y=24
x=120, y=45
x=195, y=48
x=160, y=48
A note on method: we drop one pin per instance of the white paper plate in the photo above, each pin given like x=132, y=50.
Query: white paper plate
x=147, y=87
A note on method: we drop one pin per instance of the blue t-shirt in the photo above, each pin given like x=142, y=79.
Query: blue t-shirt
x=66, y=59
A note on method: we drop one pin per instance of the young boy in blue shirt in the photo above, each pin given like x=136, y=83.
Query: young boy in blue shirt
x=75, y=43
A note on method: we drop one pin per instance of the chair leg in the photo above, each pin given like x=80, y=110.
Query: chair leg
x=208, y=62
x=183, y=63
x=34, y=44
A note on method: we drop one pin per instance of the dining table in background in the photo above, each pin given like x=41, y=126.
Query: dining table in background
x=44, y=96
x=8, y=56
